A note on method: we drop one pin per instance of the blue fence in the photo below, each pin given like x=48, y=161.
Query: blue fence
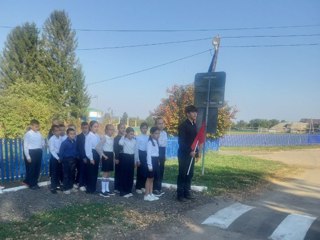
x=256, y=140
x=12, y=165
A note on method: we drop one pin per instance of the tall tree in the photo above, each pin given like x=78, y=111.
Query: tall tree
x=60, y=43
x=21, y=58
x=172, y=110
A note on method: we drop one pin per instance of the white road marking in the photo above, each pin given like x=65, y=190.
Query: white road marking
x=293, y=227
x=224, y=217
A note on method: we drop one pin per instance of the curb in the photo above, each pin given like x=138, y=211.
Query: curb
x=43, y=184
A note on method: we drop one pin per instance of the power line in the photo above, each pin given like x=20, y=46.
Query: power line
x=150, y=68
x=196, y=40
x=199, y=53
x=186, y=30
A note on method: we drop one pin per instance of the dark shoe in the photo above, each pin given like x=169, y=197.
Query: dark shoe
x=189, y=197
x=111, y=193
x=34, y=187
x=104, y=194
x=181, y=199
x=53, y=191
x=158, y=193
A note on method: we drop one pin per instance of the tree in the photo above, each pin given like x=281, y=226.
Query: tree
x=60, y=44
x=22, y=58
x=22, y=102
x=172, y=110
x=124, y=118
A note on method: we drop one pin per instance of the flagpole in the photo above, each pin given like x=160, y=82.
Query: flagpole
x=192, y=158
x=212, y=68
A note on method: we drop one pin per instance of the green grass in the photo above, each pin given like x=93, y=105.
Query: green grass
x=81, y=219
x=268, y=148
x=229, y=174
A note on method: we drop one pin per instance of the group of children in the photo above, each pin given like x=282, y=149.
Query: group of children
x=75, y=159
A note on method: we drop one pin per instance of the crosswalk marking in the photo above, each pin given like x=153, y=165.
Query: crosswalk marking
x=293, y=227
x=226, y=216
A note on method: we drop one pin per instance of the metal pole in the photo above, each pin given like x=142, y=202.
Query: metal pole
x=216, y=44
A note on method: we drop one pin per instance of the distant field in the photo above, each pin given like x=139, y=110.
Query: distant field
x=268, y=149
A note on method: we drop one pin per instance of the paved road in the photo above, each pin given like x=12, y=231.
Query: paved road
x=289, y=210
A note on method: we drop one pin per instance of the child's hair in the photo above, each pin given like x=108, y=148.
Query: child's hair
x=108, y=126
x=84, y=124
x=152, y=131
x=54, y=127
x=190, y=108
x=34, y=122
x=72, y=126
x=61, y=125
x=119, y=125
x=93, y=122
x=70, y=130
x=144, y=124
x=129, y=130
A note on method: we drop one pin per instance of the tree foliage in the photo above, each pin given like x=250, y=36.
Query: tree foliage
x=22, y=102
x=172, y=110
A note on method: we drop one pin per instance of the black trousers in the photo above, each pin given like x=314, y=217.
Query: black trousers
x=184, y=180
x=157, y=185
x=82, y=173
x=127, y=174
x=117, y=173
x=33, y=168
x=55, y=171
x=68, y=166
x=93, y=170
x=142, y=170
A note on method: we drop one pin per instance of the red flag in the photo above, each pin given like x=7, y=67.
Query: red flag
x=200, y=138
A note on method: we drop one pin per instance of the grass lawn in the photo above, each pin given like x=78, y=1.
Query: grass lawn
x=79, y=222
x=230, y=173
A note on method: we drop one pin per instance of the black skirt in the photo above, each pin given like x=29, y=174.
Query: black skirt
x=107, y=165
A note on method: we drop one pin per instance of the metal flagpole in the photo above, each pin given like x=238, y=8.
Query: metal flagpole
x=212, y=68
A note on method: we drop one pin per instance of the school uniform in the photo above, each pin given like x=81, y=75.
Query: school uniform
x=32, y=146
x=127, y=165
x=163, y=139
x=118, y=154
x=105, y=147
x=91, y=142
x=68, y=154
x=81, y=177
x=152, y=158
x=55, y=162
x=141, y=158
x=187, y=132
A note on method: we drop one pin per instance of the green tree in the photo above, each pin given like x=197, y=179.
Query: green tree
x=22, y=102
x=172, y=110
x=22, y=58
x=60, y=43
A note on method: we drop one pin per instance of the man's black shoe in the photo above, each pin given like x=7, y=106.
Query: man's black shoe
x=189, y=197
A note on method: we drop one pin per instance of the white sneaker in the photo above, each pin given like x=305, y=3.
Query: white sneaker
x=143, y=190
x=75, y=186
x=139, y=191
x=74, y=190
x=83, y=189
x=67, y=192
x=128, y=195
x=148, y=198
x=154, y=197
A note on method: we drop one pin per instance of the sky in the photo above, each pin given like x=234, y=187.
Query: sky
x=262, y=82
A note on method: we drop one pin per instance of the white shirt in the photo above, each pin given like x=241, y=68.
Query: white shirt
x=129, y=146
x=91, y=142
x=105, y=145
x=64, y=137
x=54, y=146
x=32, y=140
x=163, y=139
x=152, y=151
x=141, y=145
